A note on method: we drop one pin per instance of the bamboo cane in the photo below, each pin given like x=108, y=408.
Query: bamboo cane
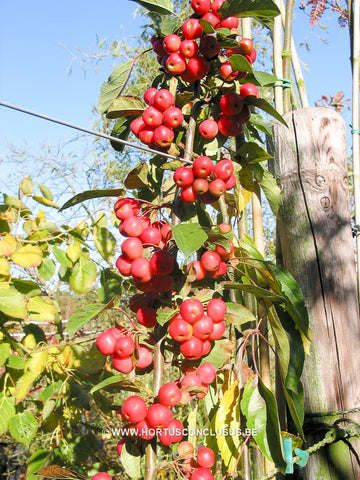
x=286, y=53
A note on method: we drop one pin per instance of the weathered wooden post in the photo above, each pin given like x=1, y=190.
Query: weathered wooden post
x=317, y=248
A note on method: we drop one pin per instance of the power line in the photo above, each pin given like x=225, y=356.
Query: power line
x=91, y=132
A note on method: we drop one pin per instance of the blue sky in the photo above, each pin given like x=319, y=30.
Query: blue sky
x=34, y=67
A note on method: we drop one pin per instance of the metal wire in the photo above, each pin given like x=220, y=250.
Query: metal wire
x=91, y=132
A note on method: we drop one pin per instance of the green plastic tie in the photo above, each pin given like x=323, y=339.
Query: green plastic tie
x=303, y=457
x=283, y=82
x=287, y=442
x=355, y=130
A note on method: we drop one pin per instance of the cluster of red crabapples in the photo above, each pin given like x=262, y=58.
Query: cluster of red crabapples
x=204, y=180
x=125, y=355
x=156, y=125
x=148, y=274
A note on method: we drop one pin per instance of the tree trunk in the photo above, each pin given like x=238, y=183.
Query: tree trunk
x=318, y=249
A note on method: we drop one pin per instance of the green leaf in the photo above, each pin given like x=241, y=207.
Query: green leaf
x=83, y=276
x=26, y=287
x=121, y=130
x=47, y=268
x=264, y=79
x=4, y=353
x=16, y=362
x=50, y=390
x=189, y=237
x=41, y=309
x=138, y=177
x=61, y=257
x=124, y=106
x=27, y=186
x=105, y=242
x=118, y=382
x=239, y=62
x=90, y=194
x=249, y=8
x=115, y=84
x=45, y=191
x=207, y=26
x=23, y=427
x=45, y=201
x=251, y=152
x=163, y=315
x=164, y=7
x=28, y=256
x=258, y=292
x=259, y=406
x=37, y=460
x=261, y=124
x=7, y=411
x=237, y=314
x=269, y=186
x=89, y=361
x=266, y=106
x=218, y=355
x=82, y=315
x=12, y=303
x=131, y=459
x=295, y=304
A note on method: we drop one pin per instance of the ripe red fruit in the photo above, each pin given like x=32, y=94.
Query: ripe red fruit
x=106, y=341
x=225, y=254
x=122, y=364
x=144, y=430
x=162, y=262
x=225, y=227
x=141, y=270
x=191, y=310
x=231, y=182
x=132, y=247
x=201, y=473
x=158, y=47
x=131, y=227
x=162, y=283
x=212, y=18
x=202, y=166
x=183, y=176
x=145, y=357
x=203, y=328
x=101, y=476
x=206, y=347
x=200, y=271
x=231, y=103
x=175, y=63
x=146, y=135
x=146, y=316
x=205, y=457
x=209, y=46
x=210, y=260
x=173, y=117
x=246, y=46
x=148, y=94
x=192, y=29
x=207, y=374
x=222, y=270
x=150, y=236
x=190, y=380
x=120, y=445
x=200, y=6
x=217, y=333
x=169, y=394
x=123, y=264
x=158, y=415
x=134, y=409
x=152, y=117
x=227, y=73
x=163, y=99
x=188, y=194
x=200, y=185
x=198, y=67
x=229, y=126
x=171, y=43
x=188, y=48
x=163, y=136
x=208, y=128
x=179, y=329
x=251, y=57
x=136, y=125
x=216, y=5
x=187, y=77
x=223, y=169
x=217, y=187
x=192, y=349
x=249, y=89
x=123, y=205
x=230, y=22
x=124, y=347
x=173, y=433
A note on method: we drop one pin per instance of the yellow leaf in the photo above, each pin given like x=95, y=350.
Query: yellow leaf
x=29, y=341
x=37, y=361
x=7, y=245
x=28, y=256
x=74, y=251
x=40, y=217
x=41, y=309
x=243, y=188
x=5, y=266
x=24, y=385
x=227, y=426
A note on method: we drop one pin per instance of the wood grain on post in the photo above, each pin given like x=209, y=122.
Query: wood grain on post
x=318, y=249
